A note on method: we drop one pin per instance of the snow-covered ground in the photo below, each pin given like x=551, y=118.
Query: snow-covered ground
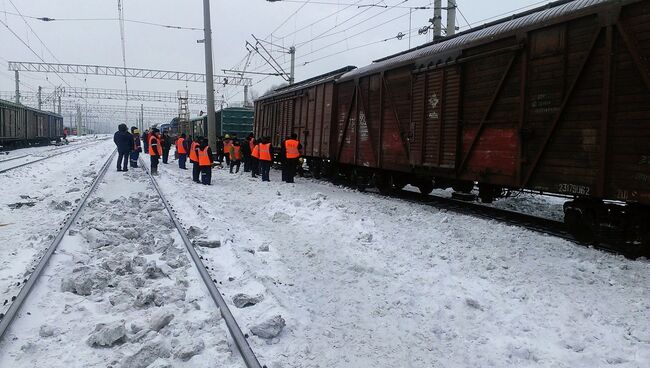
x=120, y=292
x=368, y=281
x=35, y=201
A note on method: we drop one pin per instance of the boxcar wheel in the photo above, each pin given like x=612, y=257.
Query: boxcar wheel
x=579, y=227
x=425, y=186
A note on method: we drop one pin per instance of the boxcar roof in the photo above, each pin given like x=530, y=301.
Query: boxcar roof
x=20, y=106
x=323, y=78
x=488, y=32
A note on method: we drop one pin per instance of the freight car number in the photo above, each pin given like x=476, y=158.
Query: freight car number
x=574, y=189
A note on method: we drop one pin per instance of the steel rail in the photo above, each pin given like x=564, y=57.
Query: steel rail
x=14, y=158
x=6, y=320
x=42, y=158
x=235, y=331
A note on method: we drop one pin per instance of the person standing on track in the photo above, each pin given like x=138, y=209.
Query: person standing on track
x=137, y=146
x=292, y=149
x=181, y=151
x=194, y=159
x=235, y=156
x=246, y=152
x=255, y=158
x=124, y=141
x=155, y=150
x=204, y=153
x=166, y=146
x=266, y=158
x=227, y=143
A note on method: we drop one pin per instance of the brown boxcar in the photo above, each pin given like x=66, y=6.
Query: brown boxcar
x=304, y=108
x=554, y=99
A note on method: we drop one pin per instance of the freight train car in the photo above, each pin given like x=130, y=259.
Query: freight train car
x=554, y=99
x=230, y=120
x=22, y=126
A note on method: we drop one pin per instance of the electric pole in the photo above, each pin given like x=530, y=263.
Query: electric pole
x=209, y=77
x=292, y=75
x=451, y=17
x=17, y=86
x=40, y=97
x=437, y=19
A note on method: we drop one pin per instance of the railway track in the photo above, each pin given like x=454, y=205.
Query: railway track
x=57, y=152
x=530, y=222
x=19, y=304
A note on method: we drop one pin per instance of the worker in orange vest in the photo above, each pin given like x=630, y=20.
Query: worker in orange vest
x=155, y=150
x=181, y=151
x=291, y=150
x=266, y=158
x=235, y=156
x=255, y=158
x=194, y=159
x=246, y=151
x=204, y=153
x=227, y=144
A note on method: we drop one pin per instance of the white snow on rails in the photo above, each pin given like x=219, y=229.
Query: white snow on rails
x=120, y=291
x=360, y=280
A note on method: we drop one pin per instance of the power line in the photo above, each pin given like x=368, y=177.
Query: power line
x=49, y=19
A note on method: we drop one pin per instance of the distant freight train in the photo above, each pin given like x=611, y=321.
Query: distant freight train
x=23, y=126
x=556, y=99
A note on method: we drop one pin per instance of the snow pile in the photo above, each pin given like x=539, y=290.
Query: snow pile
x=120, y=292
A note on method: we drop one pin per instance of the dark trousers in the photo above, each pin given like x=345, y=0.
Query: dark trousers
x=196, y=171
x=283, y=168
x=227, y=156
x=206, y=174
x=265, y=167
x=182, y=158
x=255, y=167
x=165, y=155
x=134, y=158
x=247, y=163
x=235, y=164
x=122, y=161
x=155, y=160
x=290, y=165
x=220, y=155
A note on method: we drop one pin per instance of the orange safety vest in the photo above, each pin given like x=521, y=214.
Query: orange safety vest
x=256, y=151
x=236, y=153
x=180, y=146
x=158, y=146
x=265, y=152
x=204, y=158
x=291, y=147
x=193, y=156
x=226, y=147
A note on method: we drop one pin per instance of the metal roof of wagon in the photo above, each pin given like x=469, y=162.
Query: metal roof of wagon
x=308, y=82
x=490, y=31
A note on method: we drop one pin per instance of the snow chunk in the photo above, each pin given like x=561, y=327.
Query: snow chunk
x=187, y=349
x=107, y=334
x=80, y=285
x=160, y=319
x=242, y=300
x=207, y=243
x=269, y=328
x=60, y=206
x=47, y=331
x=281, y=218
x=148, y=354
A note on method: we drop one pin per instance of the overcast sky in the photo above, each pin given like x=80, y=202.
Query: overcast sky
x=327, y=37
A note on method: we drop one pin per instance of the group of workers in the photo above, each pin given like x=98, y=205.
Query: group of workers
x=256, y=154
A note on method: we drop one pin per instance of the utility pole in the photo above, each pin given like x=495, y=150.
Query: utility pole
x=56, y=93
x=292, y=75
x=141, y=116
x=437, y=19
x=209, y=76
x=40, y=97
x=245, y=96
x=78, y=120
x=59, y=98
x=17, y=86
x=451, y=17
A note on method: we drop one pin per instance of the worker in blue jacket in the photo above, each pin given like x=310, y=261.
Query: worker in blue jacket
x=124, y=142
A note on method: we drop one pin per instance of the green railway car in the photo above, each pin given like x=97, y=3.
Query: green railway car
x=230, y=120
